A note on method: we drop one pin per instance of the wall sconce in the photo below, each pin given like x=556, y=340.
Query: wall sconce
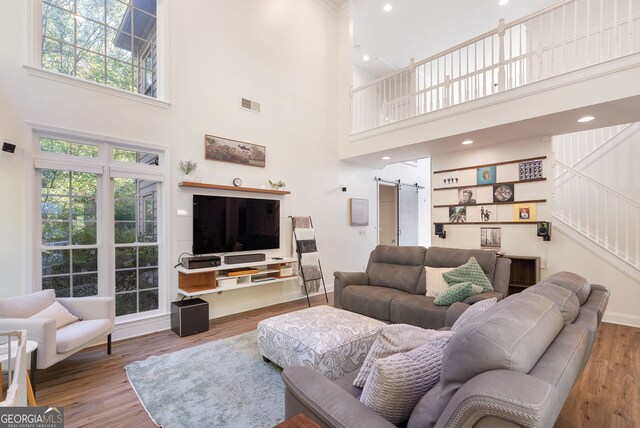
x=439, y=230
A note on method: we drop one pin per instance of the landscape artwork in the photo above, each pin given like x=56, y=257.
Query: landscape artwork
x=490, y=237
x=226, y=150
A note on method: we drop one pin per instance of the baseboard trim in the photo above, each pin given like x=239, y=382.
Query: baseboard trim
x=622, y=319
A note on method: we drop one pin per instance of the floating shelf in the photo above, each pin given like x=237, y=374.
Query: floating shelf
x=442, y=171
x=539, y=201
x=234, y=188
x=485, y=223
x=490, y=184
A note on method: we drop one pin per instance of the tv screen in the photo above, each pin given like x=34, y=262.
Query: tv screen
x=224, y=224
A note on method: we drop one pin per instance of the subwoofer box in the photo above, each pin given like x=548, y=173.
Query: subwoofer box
x=244, y=258
x=189, y=317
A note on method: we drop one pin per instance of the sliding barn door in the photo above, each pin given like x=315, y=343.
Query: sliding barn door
x=407, y=215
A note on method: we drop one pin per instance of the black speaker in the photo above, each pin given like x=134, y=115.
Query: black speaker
x=244, y=258
x=544, y=230
x=189, y=317
x=439, y=230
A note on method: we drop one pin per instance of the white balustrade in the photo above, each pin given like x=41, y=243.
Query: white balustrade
x=605, y=216
x=564, y=37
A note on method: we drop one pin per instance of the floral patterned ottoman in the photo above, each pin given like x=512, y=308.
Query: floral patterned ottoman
x=331, y=341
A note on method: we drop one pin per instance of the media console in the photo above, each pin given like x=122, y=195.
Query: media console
x=226, y=277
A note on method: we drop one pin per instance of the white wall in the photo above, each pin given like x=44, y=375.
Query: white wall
x=281, y=54
x=565, y=252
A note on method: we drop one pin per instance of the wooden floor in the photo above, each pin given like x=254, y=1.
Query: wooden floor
x=94, y=390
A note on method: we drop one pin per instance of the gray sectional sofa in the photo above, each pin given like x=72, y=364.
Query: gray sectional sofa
x=513, y=365
x=393, y=287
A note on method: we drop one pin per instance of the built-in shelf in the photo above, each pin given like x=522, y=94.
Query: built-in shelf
x=234, y=188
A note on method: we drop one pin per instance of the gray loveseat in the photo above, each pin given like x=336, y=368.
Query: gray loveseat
x=393, y=287
x=513, y=365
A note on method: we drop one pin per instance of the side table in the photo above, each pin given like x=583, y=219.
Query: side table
x=31, y=348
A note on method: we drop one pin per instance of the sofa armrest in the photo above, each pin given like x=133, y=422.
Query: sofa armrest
x=90, y=308
x=342, y=279
x=323, y=400
x=505, y=394
x=40, y=330
x=483, y=296
x=502, y=275
x=454, y=312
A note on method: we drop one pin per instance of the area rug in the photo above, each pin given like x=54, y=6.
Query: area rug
x=219, y=384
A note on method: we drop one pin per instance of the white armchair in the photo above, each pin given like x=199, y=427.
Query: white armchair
x=96, y=319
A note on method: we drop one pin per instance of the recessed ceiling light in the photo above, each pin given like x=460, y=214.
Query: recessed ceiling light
x=467, y=142
x=387, y=7
x=386, y=158
x=586, y=119
x=503, y=2
x=366, y=58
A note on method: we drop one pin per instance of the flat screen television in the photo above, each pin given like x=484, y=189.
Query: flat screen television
x=224, y=224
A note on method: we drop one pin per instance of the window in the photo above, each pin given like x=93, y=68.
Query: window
x=112, y=42
x=80, y=252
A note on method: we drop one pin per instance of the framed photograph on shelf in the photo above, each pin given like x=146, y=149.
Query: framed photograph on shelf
x=467, y=196
x=530, y=170
x=524, y=212
x=488, y=214
x=490, y=237
x=503, y=193
x=486, y=175
x=458, y=214
x=359, y=212
x=226, y=150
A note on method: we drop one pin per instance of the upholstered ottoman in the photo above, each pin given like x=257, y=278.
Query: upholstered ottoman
x=331, y=341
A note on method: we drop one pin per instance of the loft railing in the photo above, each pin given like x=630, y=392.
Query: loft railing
x=572, y=149
x=605, y=216
x=570, y=35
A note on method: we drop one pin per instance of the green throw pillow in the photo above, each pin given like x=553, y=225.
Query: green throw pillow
x=469, y=272
x=457, y=293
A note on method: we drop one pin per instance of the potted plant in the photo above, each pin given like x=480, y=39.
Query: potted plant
x=279, y=185
x=187, y=167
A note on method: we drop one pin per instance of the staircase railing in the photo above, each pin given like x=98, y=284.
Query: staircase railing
x=567, y=36
x=598, y=212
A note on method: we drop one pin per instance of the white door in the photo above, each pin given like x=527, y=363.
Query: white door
x=387, y=214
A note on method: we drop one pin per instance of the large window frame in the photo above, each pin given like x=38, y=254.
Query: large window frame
x=158, y=95
x=106, y=169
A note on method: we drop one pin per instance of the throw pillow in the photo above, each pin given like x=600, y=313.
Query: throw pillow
x=471, y=272
x=58, y=313
x=472, y=312
x=393, y=339
x=457, y=293
x=399, y=381
x=435, y=281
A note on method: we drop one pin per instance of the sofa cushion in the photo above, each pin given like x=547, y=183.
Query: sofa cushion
x=572, y=282
x=457, y=293
x=510, y=336
x=393, y=339
x=472, y=312
x=80, y=333
x=454, y=257
x=469, y=272
x=369, y=300
x=27, y=305
x=397, y=382
x=58, y=313
x=418, y=310
x=396, y=267
x=566, y=302
x=436, y=283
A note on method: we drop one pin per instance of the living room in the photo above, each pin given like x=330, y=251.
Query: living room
x=294, y=59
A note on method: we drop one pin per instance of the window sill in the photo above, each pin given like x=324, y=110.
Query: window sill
x=96, y=87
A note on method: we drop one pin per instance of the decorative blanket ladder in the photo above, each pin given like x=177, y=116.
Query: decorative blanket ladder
x=308, y=258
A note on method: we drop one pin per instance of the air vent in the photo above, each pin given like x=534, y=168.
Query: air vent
x=250, y=105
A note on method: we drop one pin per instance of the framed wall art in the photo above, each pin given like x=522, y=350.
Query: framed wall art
x=530, y=170
x=490, y=237
x=227, y=150
x=359, y=212
x=486, y=175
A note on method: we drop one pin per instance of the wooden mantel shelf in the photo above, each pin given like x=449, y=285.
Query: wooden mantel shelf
x=234, y=188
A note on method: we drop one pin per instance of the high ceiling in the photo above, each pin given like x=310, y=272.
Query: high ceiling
x=420, y=28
